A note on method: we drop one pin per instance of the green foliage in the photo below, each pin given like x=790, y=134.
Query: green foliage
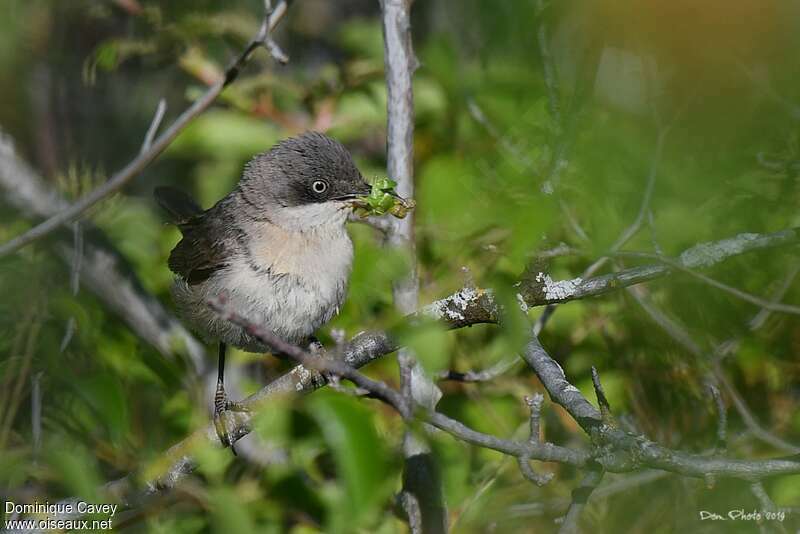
x=361, y=459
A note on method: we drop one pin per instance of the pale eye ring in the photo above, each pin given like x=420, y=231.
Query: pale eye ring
x=319, y=186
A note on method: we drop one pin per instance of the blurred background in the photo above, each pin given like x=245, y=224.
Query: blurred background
x=539, y=126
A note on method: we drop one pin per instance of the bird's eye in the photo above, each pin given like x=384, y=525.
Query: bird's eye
x=319, y=186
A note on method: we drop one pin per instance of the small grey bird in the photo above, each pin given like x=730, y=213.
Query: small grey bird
x=276, y=247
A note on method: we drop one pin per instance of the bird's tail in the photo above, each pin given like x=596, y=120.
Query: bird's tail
x=178, y=204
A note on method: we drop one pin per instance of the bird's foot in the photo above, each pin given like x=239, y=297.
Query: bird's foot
x=316, y=348
x=221, y=406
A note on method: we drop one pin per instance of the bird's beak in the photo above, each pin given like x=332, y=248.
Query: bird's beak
x=349, y=196
x=362, y=190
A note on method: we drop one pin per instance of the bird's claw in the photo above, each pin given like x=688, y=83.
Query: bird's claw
x=222, y=405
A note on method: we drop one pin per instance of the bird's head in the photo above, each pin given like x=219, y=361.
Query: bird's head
x=303, y=182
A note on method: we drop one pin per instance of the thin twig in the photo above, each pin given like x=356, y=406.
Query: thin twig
x=312, y=361
x=557, y=506
x=646, y=452
x=36, y=413
x=743, y=295
x=548, y=66
x=681, y=335
x=602, y=401
x=102, y=268
x=628, y=451
x=420, y=478
x=722, y=416
x=138, y=164
x=535, y=406
x=580, y=496
x=748, y=418
x=486, y=375
x=154, y=125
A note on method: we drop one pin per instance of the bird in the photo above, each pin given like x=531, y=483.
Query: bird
x=276, y=248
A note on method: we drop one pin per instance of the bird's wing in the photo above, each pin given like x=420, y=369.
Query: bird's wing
x=177, y=203
x=204, y=248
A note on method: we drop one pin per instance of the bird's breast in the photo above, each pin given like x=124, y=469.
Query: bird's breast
x=317, y=257
x=291, y=282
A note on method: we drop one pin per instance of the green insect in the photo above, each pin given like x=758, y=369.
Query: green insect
x=383, y=199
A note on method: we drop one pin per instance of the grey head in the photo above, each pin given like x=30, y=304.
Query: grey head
x=301, y=182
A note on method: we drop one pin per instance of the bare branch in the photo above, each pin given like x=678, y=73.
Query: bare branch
x=535, y=405
x=541, y=289
x=722, y=416
x=627, y=452
x=138, y=164
x=486, y=375
x=154, y=125
x=749, y=419
x=602, y=401
x=103, y=269
x=420, y=479
x=743, y=295
x=312, y=361
x=679, y=334
x=580, y=496
x=607, y=490
x=643, y=451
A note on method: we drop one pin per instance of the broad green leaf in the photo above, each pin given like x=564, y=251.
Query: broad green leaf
x=361, y=459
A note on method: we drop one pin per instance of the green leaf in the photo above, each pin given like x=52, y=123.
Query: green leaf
x=361, y=459
x=431, y=344
x=77, y=470
x=228, y=512
x=104, y=393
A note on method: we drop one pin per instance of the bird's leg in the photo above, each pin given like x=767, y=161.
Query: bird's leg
x=316, y=348
x=221, y=402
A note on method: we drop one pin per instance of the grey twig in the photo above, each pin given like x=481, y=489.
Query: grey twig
x=420, y=476
x=74, y=280
x=761, y=317
x=535, y=405
x=154, y=125
x=486, y=375
x=580, y=496
x=722, y=416
x=602, y=401
x=629, y=451
x=757, y=488
x=138, y=164
x=767, y=504
x=748, y=418
x=36, y=412
x=669, y=325
x=102, y=268
x=264, y=36
x=743, y=295
x=643, y=452
x=475, y=305
x=680, y=334
x=610, y=489
x=331, y=365
x=644, y=208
